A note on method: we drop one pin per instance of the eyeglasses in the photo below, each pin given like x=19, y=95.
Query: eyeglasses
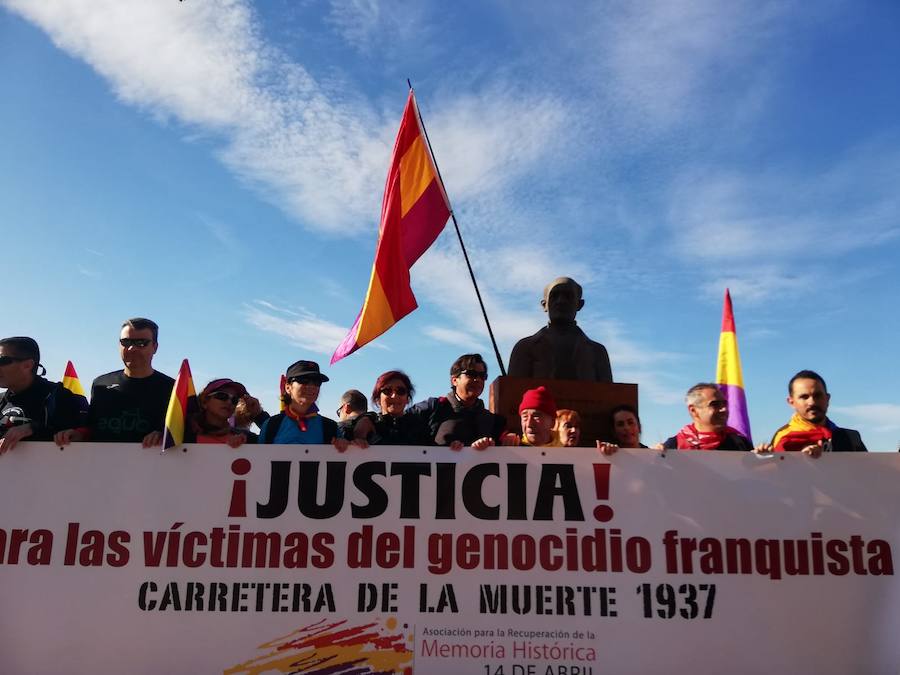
x=135, y=342
x=474, y=374
x=717, y=404
x=224, y=396
x=306, y=380
x=6, y=360
x=394, y=391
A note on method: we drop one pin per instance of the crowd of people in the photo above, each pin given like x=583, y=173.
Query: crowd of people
x=129, y=405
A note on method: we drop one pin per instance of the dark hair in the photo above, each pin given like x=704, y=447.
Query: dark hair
x=24, y=348
x=623, y=408
x=356, y=399
x=384, y=378
x=806, y=375
x=139, y=323
x=465, y=362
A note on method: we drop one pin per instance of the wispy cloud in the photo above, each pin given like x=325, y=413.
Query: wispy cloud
x=658, y=64
x=89, y=272
x=319, y=157
x=721, y=214
x=222, y=233
x=302, y=328
x=364, y=23
x=881, y=416
x=451, y=336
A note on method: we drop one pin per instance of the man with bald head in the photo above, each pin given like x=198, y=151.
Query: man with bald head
x=560, y=350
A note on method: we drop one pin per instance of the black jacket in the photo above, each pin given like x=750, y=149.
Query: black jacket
x=50, y=407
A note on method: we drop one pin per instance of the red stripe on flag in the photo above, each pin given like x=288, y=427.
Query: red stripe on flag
x=424, y=222
x=727, y=315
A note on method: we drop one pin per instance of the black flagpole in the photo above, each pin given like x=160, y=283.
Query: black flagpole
x=461, y=244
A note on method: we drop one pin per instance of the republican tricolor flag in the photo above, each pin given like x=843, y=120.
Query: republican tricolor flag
x=181, y=402
x=70, y=380
x=728, y=372
x=414, y=211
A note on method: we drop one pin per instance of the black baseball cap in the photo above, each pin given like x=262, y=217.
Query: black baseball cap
x=305, y=369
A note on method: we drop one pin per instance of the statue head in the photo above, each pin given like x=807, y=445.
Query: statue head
x=562, y=300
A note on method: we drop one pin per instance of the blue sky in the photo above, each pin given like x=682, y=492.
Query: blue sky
x=218, y=167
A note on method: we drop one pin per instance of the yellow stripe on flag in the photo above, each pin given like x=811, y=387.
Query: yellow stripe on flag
x=728, y=369
x=376, y=313
x=416, y=174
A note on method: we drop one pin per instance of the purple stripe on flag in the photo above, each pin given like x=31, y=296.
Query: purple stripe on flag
x=737, y=409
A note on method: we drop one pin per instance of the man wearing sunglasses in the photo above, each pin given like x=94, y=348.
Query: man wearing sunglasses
x=709, y=428
x=129, y=405
x=32, y=407
x=460, y=418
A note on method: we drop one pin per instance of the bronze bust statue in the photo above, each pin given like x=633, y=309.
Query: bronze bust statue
x=560, y=350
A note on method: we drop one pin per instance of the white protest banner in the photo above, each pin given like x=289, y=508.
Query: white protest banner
x=512, y=561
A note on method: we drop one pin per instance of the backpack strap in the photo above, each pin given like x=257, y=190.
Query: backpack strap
x=272, y=426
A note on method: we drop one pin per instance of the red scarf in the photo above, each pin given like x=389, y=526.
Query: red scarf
x=691, y=439
x=312, y=411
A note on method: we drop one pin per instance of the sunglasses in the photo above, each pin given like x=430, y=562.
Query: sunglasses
x=225, y=396
x=135, y=342
x=306, y=380
x=6, y=360
x=474, y=374
x=394, y=391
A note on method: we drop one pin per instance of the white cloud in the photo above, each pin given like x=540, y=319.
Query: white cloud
x=659, y=61
x=89, y=272
x=882, y=417
x=321, y=159
x=725, y=214
x=307, y=330
x=222, y=233
x=364, y=23
x=452, y=337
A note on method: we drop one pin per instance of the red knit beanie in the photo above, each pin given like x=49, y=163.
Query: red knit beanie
x=538, y=399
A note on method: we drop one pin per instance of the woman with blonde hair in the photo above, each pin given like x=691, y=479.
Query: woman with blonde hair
x=568, y=427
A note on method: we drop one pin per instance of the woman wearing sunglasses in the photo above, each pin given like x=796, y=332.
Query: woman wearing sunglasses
x=394, y=424
x=212, y=423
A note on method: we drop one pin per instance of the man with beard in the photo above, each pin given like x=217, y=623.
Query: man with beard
x=460, y=418
x=809, y=429
x=709, y=428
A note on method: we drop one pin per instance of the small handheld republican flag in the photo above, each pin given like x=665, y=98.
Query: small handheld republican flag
x=182, y=401
x=281, y=384
x=70, y=380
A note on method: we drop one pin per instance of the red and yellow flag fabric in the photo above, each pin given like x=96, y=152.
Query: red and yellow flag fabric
x=281, y=384
x=729, y=376
x=181, y=402
x=414, y=211
x=70, y=380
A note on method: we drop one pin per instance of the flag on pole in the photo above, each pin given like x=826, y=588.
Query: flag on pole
x=70, y=380
x=414, y=210
x=728, y=372
x=281, y=384
x=181, y=402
